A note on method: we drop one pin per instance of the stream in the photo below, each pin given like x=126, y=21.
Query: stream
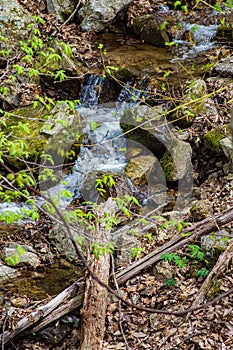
x=103, y=146
x=103, y=150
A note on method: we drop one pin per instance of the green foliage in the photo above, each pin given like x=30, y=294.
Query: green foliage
x=149, y=237
x=15, y=259
x=174, y=223
x=195, y=252
x=125, y=203
x=106, y=181
x=202, y=273
x=173, y=257
x=98, y=249
x=136, y=252
x=163, y=25
x=170, y=282
x=93, y=125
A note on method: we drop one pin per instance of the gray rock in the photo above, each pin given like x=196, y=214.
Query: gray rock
x=97, y=14
x=148, y=28
x=21, y=254
x=215, y=243
x=227, y=147
x=124, y=242
x=7, y=273
x=225, y=68
x=58, y=236
x=13, y=22
x=61, y=8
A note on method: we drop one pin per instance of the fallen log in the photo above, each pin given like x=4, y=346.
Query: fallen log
x=215, y=273
x=72, y=297
x=53, y=310
x=189, y=235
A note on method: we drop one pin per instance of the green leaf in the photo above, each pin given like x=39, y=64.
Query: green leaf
x=19, y=69
x=10, y=177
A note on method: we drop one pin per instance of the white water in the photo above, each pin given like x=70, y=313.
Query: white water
x=102, y=148
x=203, y=36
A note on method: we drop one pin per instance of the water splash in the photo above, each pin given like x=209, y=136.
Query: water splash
x=203, y=36
x=91, y=89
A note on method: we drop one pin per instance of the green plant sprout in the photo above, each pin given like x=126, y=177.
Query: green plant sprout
x=136, y=252
x=15, y=259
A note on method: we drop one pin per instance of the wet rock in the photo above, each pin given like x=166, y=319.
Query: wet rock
x=20, y=255
x=98, y=14
x=189, y=37
x=61, y=8
x=224, y=68
x=149, y=29
x=7, y=273
x=138, y=169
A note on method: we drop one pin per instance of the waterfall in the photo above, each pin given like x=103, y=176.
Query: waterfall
x=203, y=36
x=91, y=89
x=103, y=148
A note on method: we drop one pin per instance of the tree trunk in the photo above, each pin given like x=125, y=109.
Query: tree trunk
x=95, y=300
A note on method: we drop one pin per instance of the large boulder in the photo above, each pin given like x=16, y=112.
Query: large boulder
x=149, y=28
x=55, y=132
x=152, y=121
x=97, y=14
x=14, y=20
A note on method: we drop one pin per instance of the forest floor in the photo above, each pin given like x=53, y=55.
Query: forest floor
x=166, y=285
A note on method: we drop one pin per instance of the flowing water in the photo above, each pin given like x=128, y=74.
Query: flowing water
x=203, y=36
x=102, y=148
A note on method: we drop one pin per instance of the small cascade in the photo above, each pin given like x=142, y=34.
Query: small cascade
x=203, y=36
x=133, y=95
x=91, y=89
x=103, y=148
x=101, y=151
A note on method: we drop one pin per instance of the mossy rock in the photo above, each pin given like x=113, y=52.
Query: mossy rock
x=168, y=166
x=224, y=32
x=64, y=133
x=212, y=141
x=34, y=141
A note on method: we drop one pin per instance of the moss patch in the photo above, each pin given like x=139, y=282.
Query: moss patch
x=168, y=166
x=212, y=140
